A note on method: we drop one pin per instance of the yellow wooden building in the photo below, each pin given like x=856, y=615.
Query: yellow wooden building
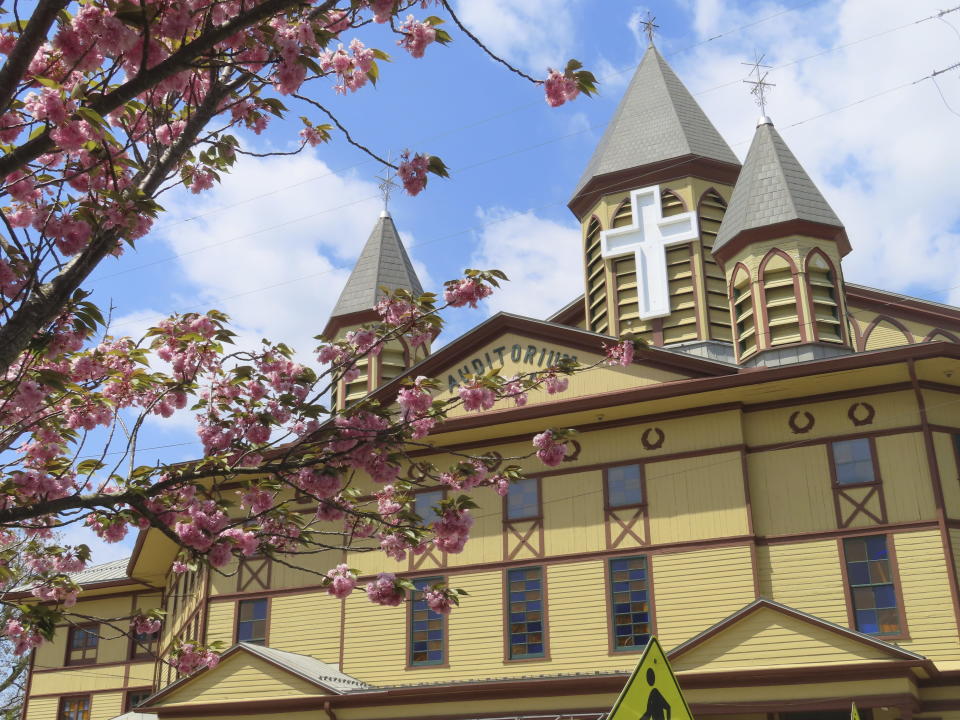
x=771, y=487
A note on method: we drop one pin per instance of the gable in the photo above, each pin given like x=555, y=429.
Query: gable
x=768, y=637
x=240, y=675
x=517, y=354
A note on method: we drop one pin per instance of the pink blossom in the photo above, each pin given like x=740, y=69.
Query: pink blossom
x=437, y=601
x=168, y=132
x=476, y=397
x=468, y=291
x=416, y=36
x=179, y=567
x=220, y=554
x=384, y=590
x=560, y=88
x=342, y=581
x=452, y=530
x=621, y=354
x=364, y=341
x=550, y=452
x=501, y=485
x=312, y=136
x=10, y=126
x=395, y=311
x=413, y=172
x=246, y=541
x=318, y=483
x=414, y=400
x=143, y=625
x=422, y=427
x=23, y=640
x=555, y=383
x=382, y=9
x=513, y=388
x=202, y=180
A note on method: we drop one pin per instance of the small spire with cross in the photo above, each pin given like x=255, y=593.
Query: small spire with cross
x=761, y=88
x=649, y=26
x=386, y=186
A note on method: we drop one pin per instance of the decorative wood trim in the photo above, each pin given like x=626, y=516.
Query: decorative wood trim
x=908, y=336
x=514, y=527
x=859, y=417
x=838, y=291
x=507, y=660
x=781, y=230
x=432, y=553
x=912, y=308
x=947, y=336
x=637, y=513
x=762, y=284
x=905, y=430
x=254, y=568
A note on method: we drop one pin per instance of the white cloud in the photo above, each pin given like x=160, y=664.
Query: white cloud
x=276, y=264
x=541, y=257
x=537, y=34
x=887, y=166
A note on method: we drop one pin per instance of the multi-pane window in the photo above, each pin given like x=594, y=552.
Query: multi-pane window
x=523, y=501
x=527, y=636
x=426, y=627
x=82, y=644
x=624, y=486
x=630, y=598
x=252, y=621
x=853, y=461
x=136, y=698
x=423, y=502
x=74, y=708
x=144, y=645
x=872, y=591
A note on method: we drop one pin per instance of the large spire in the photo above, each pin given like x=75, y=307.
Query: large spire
x=657, y=124
x=773, y=189
x=383, y=262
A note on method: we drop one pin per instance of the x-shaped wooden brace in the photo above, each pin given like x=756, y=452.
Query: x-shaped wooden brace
x=253, y=573
x=859, y=507
x=524, y=539
x=418, y=561
x=626, y=528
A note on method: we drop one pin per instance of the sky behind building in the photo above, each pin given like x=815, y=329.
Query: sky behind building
x=273, y=245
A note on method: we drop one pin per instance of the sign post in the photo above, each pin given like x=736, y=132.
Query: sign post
x=652, y=692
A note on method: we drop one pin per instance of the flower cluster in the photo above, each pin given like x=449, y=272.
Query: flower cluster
x=620, y=354
x=551, y=449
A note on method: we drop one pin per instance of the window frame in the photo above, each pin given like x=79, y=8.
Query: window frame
x=894, y=568
x=612, y=649
x=538, y=480
x=130, y=692
x=266, y=620
x=835, y=476
x=425, y=491
x=545, y=619
x=410, y=663
x=135, y=650
x=607, y=506
x=66, y=698
x=92, y=661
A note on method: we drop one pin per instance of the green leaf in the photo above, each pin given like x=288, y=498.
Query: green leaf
x=373, y=74
x=437, y=167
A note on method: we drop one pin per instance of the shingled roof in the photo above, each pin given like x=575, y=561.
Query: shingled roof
x=772, y=188
x=382, y=262
x=657, y=120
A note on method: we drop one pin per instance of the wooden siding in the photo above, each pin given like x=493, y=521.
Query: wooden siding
x=220, y=622
x=905, y=472
x=573, y=513
x=693, y=590
x=801, y=474
x=319, y=637
x=241, y=676
x=696, y=498
x=804, y=576
x=767, y=638
x=926, y=595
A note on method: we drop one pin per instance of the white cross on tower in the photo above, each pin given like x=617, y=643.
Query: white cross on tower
x=648, y=239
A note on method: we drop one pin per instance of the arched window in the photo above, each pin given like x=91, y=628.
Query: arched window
x=779, y=293
x=623, y=216
x=741, y=298
x=710, y=212
x=824, y=298
x=596, y=285
x=671, y=204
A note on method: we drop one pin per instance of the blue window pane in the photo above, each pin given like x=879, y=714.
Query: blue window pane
x=877, y=548
x=535, y=649
x=624, y=629
x=621, y=586
x=518, y=596
x=517, y=617
x=858, y=573
x=853, y=461
x=624, y=486
x=537, y=605
x=639, y=596
x=427, y=628
x=629, y=597
x=638, y=574
x=523, y=501
x=424, y=502
x=885, y=596
x=534, y=627
x=619, y=565
x=867, y=621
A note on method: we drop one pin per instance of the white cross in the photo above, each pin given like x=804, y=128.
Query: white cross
x=648, y=239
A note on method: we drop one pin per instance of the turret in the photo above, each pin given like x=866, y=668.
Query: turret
x=781, y=245
x=656, y=190
x=383, y=263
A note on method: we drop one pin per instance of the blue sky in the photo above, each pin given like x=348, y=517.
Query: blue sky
x=274, y=244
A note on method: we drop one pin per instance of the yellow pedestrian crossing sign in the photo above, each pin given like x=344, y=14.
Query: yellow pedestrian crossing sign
x=652, y=692
x=854, y=715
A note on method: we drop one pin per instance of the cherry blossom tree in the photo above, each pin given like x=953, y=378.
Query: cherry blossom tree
x=104, y=106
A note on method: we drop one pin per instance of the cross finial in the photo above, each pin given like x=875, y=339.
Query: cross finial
x=649, y=26
x=760, y=88
x=386, y=186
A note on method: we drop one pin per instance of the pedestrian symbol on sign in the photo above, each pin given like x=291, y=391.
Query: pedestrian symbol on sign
x=652, y=692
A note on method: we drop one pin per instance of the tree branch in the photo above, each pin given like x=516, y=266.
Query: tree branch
x=25, y=50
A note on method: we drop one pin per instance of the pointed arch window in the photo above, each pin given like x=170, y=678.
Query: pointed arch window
x=710, y=211
x=741, y=298
x=671, y=203
x=824, y=298
x=779, y=292
x=596, y=279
